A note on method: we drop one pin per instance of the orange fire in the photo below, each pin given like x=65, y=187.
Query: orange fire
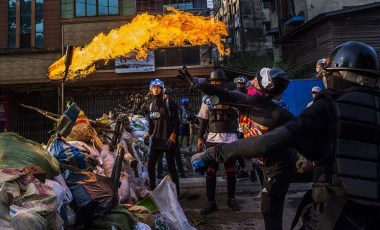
x=144, y=33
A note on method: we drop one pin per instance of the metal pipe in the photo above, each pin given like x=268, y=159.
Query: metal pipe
x=68, y=59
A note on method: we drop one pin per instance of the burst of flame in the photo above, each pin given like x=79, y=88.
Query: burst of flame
x=144, y=33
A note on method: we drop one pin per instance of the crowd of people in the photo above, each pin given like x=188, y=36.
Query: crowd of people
x=337, y=133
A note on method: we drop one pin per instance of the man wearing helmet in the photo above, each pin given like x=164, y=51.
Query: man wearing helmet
x=340, y=133
x=222, y=127
x=168, y=94
x=163, y=129
x=185, y=110
x=258, y=115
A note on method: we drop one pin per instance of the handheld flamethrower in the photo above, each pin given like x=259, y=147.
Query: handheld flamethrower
x=185, y=75
x=68, y=60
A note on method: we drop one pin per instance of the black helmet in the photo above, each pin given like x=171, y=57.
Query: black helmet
x=168, y=91
x=354, y=56
x=274, y=83
x=217, y=75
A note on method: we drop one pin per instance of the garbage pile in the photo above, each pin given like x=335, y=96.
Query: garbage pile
x=90, y=175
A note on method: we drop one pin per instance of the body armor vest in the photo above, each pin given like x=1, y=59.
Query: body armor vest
x=358, y=145
x=223, y=120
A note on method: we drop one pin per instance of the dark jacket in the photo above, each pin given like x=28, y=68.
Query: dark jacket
x=161, y=128
x=258, y=115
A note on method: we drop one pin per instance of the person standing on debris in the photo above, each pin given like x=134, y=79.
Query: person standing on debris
x=240, y=84
x=184, y=112
x=314, y=91
x=258, y=115
x=168, y=94
x=163, y=129
x=340, y=133
x=222, y=127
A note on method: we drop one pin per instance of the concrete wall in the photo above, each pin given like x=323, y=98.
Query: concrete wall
x=253, y=18
x=312, y=8
x=26, y=68
x=79, y=34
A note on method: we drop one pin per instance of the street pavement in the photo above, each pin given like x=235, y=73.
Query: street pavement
x=193, y=198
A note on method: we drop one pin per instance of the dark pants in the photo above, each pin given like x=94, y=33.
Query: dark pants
x=272, y=200
x=152, y=162
x=211, y=177
x=178, y=161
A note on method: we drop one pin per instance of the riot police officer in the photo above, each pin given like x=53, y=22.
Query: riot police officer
x=222, y=125
x=340, y=133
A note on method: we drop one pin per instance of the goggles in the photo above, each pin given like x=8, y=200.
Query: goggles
x=266, y=80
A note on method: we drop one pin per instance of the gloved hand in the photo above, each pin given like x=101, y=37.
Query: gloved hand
x=186, y=76
x=210, y=155
x=146, y=138
x=171, y=141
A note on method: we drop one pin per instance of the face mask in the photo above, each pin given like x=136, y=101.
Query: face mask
x=253, y=91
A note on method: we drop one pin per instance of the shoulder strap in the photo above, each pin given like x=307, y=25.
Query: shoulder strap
x=168, y=107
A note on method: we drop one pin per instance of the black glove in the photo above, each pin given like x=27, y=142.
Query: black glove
x=146, y=140
x=186, y=76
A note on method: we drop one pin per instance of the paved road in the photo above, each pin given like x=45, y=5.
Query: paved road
x=249, y=217
x=193, y=197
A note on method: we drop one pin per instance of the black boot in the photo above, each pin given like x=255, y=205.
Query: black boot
x=233, y=204
x=182, y=175
x=209, y=208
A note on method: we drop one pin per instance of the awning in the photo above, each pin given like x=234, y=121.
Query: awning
x=296, y=20
x=272, y=31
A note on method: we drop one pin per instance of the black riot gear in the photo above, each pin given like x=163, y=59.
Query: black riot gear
x=353, y=63
x=217, y=75
x=354, y=56
x=357, y=147
x=223, y=119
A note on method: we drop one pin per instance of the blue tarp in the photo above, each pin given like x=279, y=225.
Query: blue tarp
x=298, y=94
x=295, y=20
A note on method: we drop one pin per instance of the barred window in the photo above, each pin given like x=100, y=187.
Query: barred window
x=28, y=14
x=91, y=8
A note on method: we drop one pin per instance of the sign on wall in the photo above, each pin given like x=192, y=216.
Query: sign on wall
x=131, y=65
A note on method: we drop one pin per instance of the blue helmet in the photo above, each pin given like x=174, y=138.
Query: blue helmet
x=157, y=82
x=185, y=101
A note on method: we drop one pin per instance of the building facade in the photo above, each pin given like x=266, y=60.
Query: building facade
x=246, y=20
x=305, y=31
x=38, y=32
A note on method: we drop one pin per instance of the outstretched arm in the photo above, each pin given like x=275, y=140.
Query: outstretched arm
x=272, y=142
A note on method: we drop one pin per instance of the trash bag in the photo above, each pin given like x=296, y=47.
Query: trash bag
x=93, y=194
x=18, y=152
x=166, y=211
x=117, y=218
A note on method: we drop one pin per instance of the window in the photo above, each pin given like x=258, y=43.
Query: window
x=26, y=11
x=39, y=24
x=12, y=24
x=90, y=8
x=20, y=13
x=177, y=56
